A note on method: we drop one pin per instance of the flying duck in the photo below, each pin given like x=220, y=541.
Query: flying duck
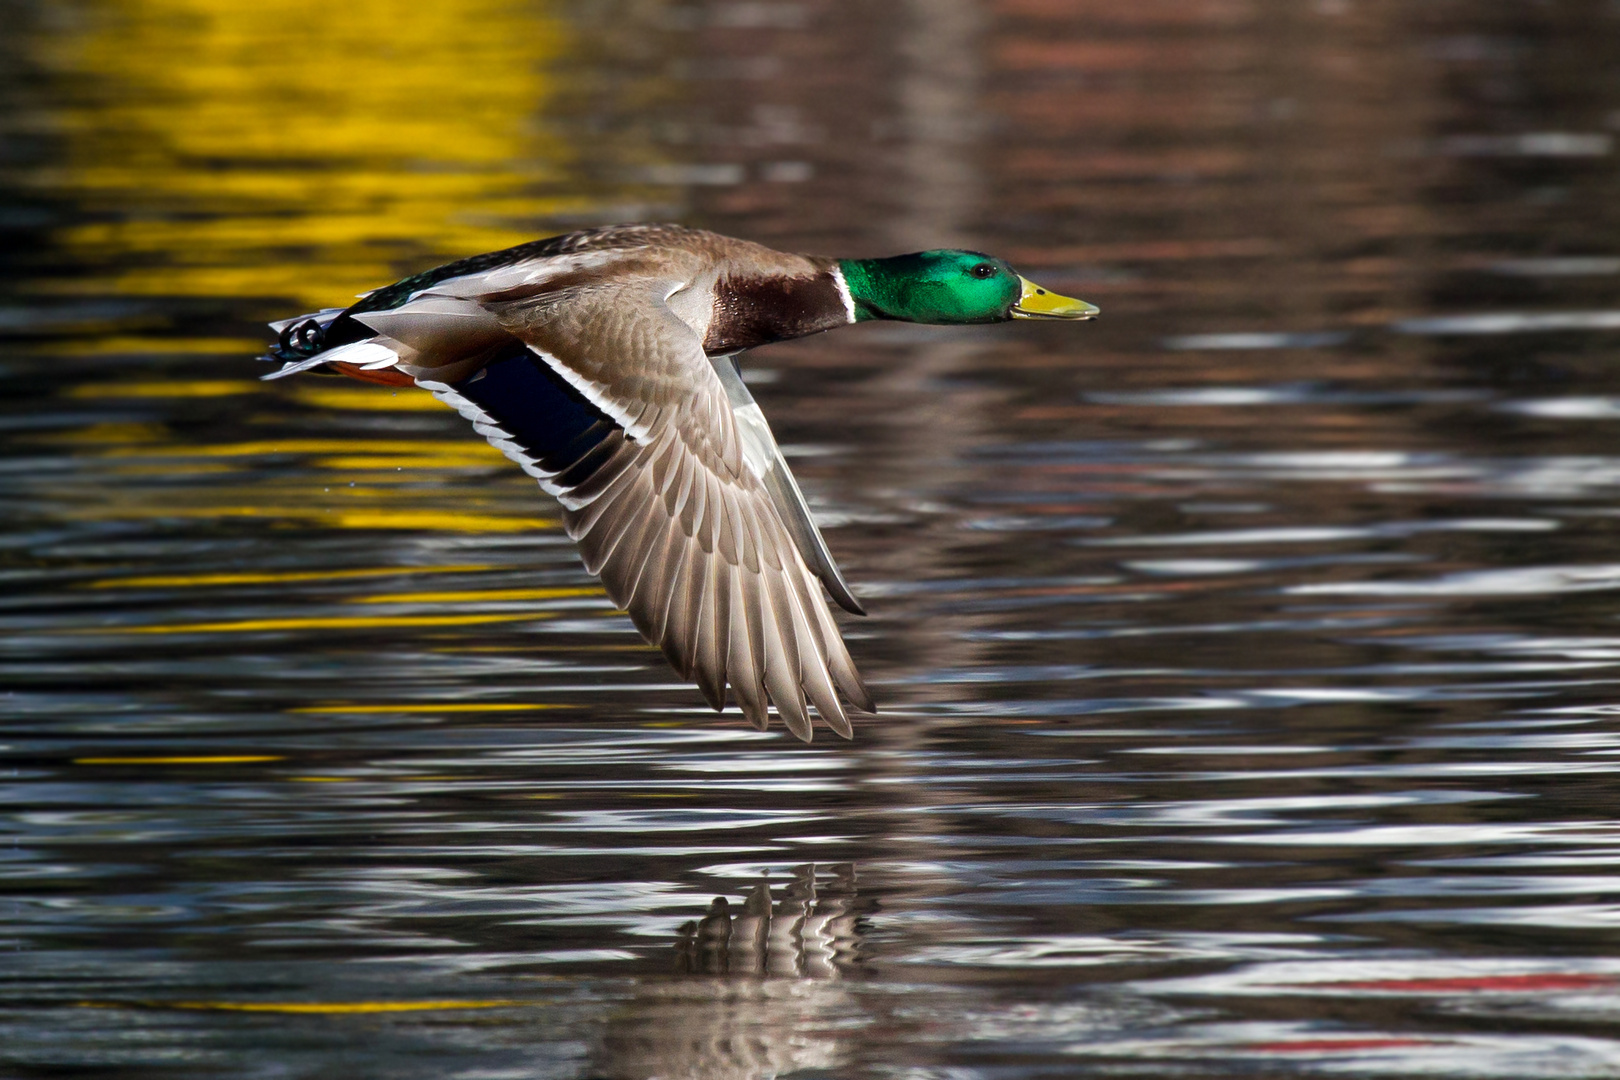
x=604, y=363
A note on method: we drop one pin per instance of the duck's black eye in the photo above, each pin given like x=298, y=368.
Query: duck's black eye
x=983, y=270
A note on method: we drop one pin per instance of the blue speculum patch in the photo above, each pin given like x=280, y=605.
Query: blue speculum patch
x=541, y=412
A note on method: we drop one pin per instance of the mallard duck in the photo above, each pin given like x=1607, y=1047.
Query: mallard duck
x=604, y=363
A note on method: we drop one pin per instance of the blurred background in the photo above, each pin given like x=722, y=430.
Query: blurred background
x=1247, y=658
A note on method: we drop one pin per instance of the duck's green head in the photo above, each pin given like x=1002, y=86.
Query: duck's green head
x=951, y=287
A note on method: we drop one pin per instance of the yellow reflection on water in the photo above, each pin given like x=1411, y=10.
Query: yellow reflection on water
x=274, y=577
x=367, y=398
x=266, y=577
x=452, y=707
x=166, y=388
x=378, y=518
x=352, y=463
x=328, y=622
x=470, y=451
x=436, y=520
x=315, y=1008
x=312, y=501
x=298, y=148
x=119, y=345
x=472, y=596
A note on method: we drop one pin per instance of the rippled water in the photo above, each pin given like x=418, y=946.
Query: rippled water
x=1247, y=659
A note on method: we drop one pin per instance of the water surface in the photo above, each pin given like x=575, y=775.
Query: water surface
x=1247, y=658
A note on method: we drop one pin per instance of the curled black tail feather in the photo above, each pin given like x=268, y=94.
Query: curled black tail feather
x=299, y=340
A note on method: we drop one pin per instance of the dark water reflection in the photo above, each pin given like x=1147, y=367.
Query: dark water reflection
x=1248, y=658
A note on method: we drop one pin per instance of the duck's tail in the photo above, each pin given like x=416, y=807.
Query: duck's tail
x=300, y=343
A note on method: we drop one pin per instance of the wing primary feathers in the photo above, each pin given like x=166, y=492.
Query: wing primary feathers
x=697, y=587
x=694, y=516
x=813, y=661
x=817, y=679
x=675, y=589
x=782, y=678
x=744, y=660
x=728, y=518
x=665, y=467
x=690, y=476
x=708, y=664
x=682, y=617
x=657, y=577
x=635, y=552
x=599, y=500
x=590, y=489
x=752, y=544
x=611, y=517
x=842, y=667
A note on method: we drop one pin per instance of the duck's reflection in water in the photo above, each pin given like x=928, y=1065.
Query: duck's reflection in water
x=810, y=934
x=759, y=991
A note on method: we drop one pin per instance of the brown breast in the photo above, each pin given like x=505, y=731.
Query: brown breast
x=750, y=311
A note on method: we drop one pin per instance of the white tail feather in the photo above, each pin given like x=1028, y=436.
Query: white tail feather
x=368, y=355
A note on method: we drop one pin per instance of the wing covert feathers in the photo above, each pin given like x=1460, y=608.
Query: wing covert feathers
x=708, y=572
x=685, y=534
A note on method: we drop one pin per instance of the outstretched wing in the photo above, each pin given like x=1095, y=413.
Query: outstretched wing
x=615, y=408
x=676, y=518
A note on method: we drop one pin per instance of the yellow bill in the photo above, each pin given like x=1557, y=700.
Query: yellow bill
x=1038, y=303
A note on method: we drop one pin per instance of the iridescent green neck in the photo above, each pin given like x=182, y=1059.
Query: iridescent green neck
x=930, y=287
